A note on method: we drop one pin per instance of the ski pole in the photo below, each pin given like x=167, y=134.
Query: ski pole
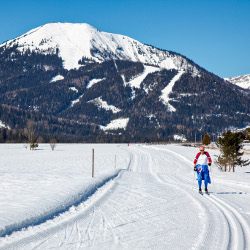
x=212, y=178
x=193, y=181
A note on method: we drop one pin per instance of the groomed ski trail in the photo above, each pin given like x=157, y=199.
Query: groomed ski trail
x=237, y=230
x=151, y=205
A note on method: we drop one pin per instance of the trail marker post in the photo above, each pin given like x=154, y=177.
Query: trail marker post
x=93, y=163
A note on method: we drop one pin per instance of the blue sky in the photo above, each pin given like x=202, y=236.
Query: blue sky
x=214, y=34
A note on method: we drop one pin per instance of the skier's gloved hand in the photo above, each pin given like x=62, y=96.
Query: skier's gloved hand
x=209, y=164
x=195, y=169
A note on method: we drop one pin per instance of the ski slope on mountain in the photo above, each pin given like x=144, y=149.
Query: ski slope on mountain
x=136, y=82
x=167, y=90
x=153, y=203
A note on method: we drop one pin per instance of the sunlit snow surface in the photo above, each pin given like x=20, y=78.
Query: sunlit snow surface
x=74, y=102
x=179, y=138
x=57, y=78
x=153, y=202
x=74, y=89
x=120, y=123
x=2, y=125
x=136, y=82
x=241, y=81
x=93, y=81
x=35, y=183
x=103, y=104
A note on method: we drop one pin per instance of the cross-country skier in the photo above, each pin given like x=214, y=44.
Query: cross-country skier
x=201, y=163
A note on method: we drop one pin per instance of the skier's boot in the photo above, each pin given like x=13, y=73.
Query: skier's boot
x=200, y=191
x=206, y=191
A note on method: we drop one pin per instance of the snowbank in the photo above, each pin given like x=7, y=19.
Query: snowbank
x=38, y=185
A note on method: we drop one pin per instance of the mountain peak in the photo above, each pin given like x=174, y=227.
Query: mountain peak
x=241, y=81
x=78, y=40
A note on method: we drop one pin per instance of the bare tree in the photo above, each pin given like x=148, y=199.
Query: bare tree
x=31, y=133
x=40, y=139
x=52, y=143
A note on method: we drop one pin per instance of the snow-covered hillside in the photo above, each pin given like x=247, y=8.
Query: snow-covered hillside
x=115, y=77
x=241, y=81
x=144, y=198
x=75, y=41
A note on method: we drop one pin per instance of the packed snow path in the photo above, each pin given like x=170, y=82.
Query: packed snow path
x=151, y=205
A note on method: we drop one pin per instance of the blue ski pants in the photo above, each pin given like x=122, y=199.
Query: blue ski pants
x=203, y=174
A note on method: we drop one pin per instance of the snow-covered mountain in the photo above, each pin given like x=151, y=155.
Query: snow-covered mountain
x=76, y=41
x=86, y=85
x=241, y=81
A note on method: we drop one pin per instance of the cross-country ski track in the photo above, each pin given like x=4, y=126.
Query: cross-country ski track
x=152, y=204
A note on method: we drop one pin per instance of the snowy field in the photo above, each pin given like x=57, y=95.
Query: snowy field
x=142, y=197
